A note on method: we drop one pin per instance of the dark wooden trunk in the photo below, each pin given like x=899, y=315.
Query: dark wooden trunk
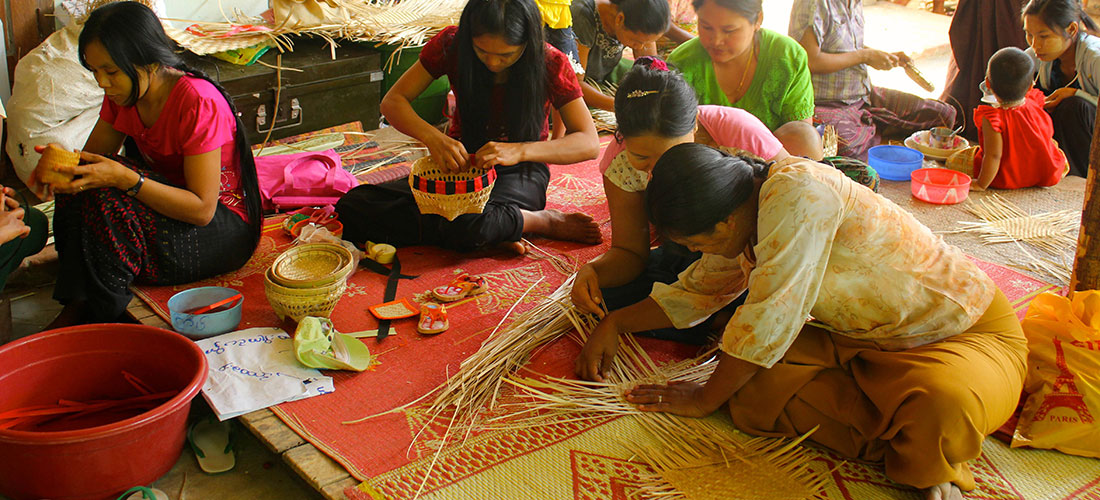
x=327, y=92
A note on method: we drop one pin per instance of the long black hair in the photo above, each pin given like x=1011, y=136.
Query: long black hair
x=134, y=38
x=651, y=17
x=519, y=23
x=1058, y=14
x=748, y=9
x=694, y=187
x=652, y=99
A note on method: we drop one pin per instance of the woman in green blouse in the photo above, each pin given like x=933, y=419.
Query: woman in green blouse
x=735, y=63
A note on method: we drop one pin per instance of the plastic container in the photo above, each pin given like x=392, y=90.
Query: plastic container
x=200, y=326
x=894, y=163
x=940, y=185
x=95, y=458
x=429, y=104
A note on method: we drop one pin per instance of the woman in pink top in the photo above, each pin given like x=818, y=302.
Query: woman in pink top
x=655, y=109
x=183, y=206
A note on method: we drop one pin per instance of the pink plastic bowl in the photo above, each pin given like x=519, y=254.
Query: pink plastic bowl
x=939, y=185
x=95, y=458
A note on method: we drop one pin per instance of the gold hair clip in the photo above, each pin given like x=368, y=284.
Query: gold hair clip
x=640, y=93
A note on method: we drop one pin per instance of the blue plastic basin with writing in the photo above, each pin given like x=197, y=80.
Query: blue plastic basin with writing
x=200, y=326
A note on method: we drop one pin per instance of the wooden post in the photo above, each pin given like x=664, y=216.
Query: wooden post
x=1086, y=267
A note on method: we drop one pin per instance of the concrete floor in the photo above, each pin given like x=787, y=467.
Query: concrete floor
x=260, y=474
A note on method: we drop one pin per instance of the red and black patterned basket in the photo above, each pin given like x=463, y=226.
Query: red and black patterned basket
x=450, y=194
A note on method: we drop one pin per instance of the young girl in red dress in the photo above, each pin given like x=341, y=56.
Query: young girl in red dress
x=505, y=80
x=1015, y=135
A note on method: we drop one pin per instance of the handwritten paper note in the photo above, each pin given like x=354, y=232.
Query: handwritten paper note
x=256, y=368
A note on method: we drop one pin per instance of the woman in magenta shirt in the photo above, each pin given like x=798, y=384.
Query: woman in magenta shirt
x=182, y=206
x=655, y=109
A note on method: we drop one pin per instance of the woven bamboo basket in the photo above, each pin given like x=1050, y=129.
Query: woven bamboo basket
x=297, y=303
x=450, y=194
x=311, y=265
x=54, y=156
x=963, y=160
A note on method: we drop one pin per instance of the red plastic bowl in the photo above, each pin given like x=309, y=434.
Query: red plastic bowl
x=95, y=458
x=939, y=185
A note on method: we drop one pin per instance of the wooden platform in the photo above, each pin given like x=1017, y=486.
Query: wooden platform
x=319, y=471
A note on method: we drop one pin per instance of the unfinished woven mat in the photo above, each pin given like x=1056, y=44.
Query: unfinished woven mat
x=1004, y=222
x=704, y=462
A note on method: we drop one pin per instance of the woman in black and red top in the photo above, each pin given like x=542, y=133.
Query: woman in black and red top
x=505, y=79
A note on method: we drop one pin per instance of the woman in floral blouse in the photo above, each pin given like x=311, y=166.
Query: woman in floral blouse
x=859, y=321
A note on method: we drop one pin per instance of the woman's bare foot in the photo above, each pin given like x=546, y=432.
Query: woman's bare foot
x=943, y=491
x=516, y=247
x=557, y=225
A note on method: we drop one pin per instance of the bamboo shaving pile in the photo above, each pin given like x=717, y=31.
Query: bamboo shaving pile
x=1004, y=222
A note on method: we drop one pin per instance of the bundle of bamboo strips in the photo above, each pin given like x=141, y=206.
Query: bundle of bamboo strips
x=693, y=460
x=477, y=385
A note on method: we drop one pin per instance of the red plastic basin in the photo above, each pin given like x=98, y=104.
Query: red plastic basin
x=939, y=185
x=95, y=457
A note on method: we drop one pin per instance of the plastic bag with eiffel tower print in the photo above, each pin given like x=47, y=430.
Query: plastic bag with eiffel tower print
x=1062, y=411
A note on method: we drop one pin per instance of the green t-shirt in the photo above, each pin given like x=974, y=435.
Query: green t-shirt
x=780, y=91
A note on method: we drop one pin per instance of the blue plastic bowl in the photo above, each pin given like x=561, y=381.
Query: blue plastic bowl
x=200, y=326
x=894, y=163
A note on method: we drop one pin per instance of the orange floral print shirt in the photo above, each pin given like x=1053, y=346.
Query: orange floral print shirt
x=834, y=252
